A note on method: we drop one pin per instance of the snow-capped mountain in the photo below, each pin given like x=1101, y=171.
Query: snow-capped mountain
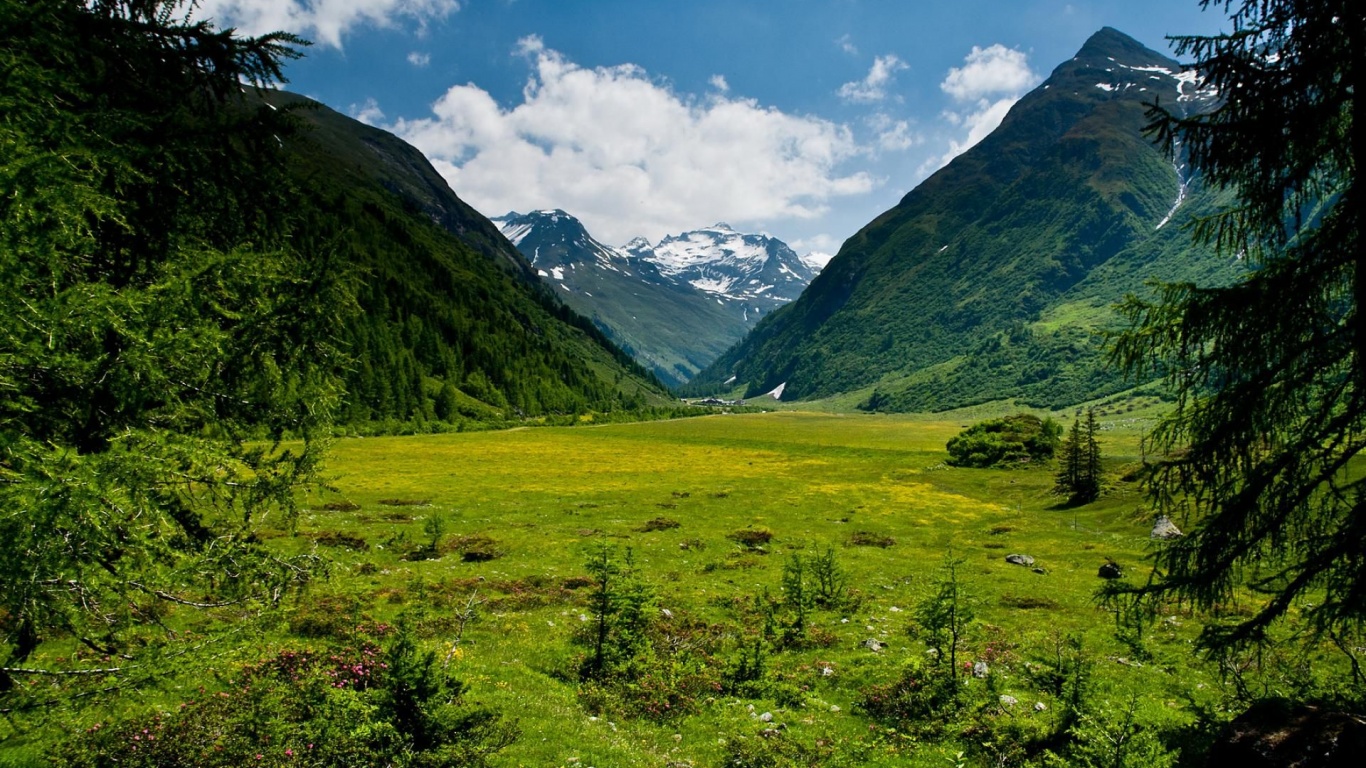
x=676, y=305
x=755, y=270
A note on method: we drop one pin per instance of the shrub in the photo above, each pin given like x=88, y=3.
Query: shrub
x=474, y=548
x=752, y=538
x=870, y=539
x=659, y=524
x=919, y=694
x=341, y=540
x=354, y=705
x=1014, y=439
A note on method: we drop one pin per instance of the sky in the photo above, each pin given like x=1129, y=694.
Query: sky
x=803, y=119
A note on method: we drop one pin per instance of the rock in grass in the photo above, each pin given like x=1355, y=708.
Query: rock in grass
x=1024, y=560
x=1111, y=570
x=872, y=644
x=1164, y=529
x=1008, y=700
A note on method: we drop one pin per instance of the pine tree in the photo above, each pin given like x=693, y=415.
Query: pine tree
x=1079, y=466
x=1088, y=482
x=1270, y=372
x=158, y=331
x=1069, y=462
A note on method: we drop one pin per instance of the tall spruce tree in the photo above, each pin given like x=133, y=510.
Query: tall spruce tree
x=158, y=334
x=1079, y=467
x=1262, y=449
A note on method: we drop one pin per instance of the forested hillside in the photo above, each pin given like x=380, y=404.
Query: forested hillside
x=452, y=323
x=993, y=277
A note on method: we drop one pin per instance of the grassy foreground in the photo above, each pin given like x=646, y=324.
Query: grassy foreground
x=539, y=500
x=515, y=516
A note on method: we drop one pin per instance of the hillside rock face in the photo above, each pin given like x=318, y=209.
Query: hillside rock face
x=674, y=306
x=989, y=279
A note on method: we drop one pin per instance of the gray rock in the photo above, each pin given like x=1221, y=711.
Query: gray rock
x=1024, y=560
x=1039, y=706
x=1111, y=570
x=1039, y=571
x=1009, y=701
x=872, y=644
x=766, y=717
x=1164, y=529
x=980, y=669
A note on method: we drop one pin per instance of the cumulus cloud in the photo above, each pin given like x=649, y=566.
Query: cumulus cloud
x=419, y=59
x=719, y=83
x=368, y=113
x=893, y=135
x=323, y=21
x=988, y=84
x=630, y=156
x=873, y=87
x=846, y=44
x=989, y=71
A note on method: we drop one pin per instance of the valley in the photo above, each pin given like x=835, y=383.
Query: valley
x=874, y=490
x=307, y=462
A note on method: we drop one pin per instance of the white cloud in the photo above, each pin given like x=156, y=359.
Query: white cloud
x=988, y=84
x=893, y=135
x=846, y=44
x=719, y=83
x=873, y=87
x=368, y=113
x=419, y=59
x=989, y=71
x=323, y=21
x=628, y=155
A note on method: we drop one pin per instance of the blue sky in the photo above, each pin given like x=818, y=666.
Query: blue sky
x=804, y=118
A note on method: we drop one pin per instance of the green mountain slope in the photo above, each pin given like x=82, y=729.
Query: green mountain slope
x=990, y=279
x=443, y=298
x=666, y=324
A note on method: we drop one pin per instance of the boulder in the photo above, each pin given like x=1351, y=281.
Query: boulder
x=980, y=669
x=872, y=644
x=1024, y=560
x=1164, y=529
x=1276, y=733
x=1111, y=570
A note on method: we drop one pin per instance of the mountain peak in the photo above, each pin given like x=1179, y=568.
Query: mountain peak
x=721, y=226
x=1109, y=44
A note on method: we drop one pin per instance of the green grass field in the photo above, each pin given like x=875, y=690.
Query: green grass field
x=546, y=496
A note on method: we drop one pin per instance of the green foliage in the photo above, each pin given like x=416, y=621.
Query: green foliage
x=1079, y=467
x=921, y=694
x=945, y=618
x=1023, y=437
x=1114, y=737
x=1262, y=452
x=353, y=705
x=830, y=587
x=157, y=319
x=620, y=607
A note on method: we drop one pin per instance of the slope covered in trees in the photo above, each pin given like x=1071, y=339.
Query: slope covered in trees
x=443, y=301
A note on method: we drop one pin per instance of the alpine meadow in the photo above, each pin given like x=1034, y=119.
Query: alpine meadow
x=314, y=454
